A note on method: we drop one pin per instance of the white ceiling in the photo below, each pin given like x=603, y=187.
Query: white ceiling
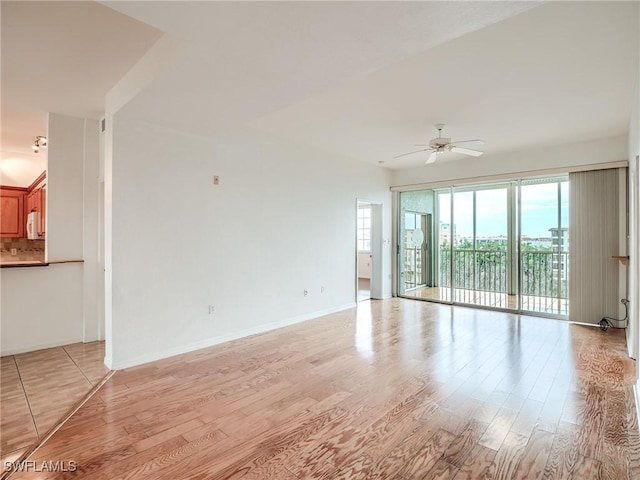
x=244, y=60
x=562, y=72
x=369, y=79
x=362, y=79
x=58, y=57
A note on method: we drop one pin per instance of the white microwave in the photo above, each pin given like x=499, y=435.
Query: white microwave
x=32, y=226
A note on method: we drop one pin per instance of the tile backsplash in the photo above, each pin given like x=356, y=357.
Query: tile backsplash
x=24, y=249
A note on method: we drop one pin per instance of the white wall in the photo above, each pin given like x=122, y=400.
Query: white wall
x=633, y=332
x=46, y=306
x=560, y=156
x=65, y=187
x=41, y=307
x=93, y=320
x=282, y=220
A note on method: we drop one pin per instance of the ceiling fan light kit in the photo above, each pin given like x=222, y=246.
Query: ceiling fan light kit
x=442, y=144
x=38, y=143
x=432, y=157
x=466, y=151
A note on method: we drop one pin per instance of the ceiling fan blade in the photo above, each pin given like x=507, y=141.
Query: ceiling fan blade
x=411, y=153
x=477, y=140
x=466, y=151
x=432, y=157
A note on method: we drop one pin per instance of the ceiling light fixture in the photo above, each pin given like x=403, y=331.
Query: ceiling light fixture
x=38, y=143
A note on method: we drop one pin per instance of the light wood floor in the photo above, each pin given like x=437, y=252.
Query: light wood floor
x=396, y=389
x=38, y=389
x=364, y=289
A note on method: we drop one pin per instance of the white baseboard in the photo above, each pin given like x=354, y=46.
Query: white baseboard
x=209, y=342
x=637, y=395
x=627, y=332
x=40, y=346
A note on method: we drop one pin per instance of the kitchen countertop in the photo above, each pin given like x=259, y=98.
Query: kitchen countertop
x=34, y=263
x=23, y=263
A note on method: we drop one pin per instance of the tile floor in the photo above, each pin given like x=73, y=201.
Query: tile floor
x=38, y=388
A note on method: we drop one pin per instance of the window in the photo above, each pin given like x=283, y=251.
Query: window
x=499, y=245
x=364, y=228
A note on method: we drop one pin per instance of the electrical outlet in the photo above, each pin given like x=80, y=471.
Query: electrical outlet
x=322, y=289
x=14, y=251
x=306, y=292
x=216, y=180
x=212, y=309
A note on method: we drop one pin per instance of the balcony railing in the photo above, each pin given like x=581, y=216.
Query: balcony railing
x=544, y=274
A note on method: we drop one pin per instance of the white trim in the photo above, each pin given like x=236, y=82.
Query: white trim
x=42, y=346
x=633, y=333
x=376, y=290
x=509, y=176
x=376, y=251
x=623, y=236
x=636, y=392
x=209, y=342
x=395, y=239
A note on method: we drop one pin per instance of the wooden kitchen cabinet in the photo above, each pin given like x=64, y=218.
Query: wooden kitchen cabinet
x=15, y=205
x=12, y=216
x=36, y=201
x=42, y=218
x=31, y=202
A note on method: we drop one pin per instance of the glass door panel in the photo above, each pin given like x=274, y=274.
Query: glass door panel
x=492, y=249
x=415, y=249
x=563, y=249
x=544, y=246
x=416, y=254
x=410, y=253
x=441, y=289
x=463, y=240
x=483, y=241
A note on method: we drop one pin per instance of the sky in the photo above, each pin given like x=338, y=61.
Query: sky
x=539, y=206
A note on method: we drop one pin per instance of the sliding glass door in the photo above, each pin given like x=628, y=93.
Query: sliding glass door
x=483, y=246
x=464, y=274
x=544, y=245
x=494, y=268
x=441, y=289
x=502, y=246
x=416, y=250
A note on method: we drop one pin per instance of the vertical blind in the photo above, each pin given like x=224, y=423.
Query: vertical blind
x=593, y=239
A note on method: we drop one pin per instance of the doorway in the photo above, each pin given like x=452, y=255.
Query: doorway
x=364, y=251
x=417, y=228
x=369, y=247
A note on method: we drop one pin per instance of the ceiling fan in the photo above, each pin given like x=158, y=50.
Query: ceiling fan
x=442, y=144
